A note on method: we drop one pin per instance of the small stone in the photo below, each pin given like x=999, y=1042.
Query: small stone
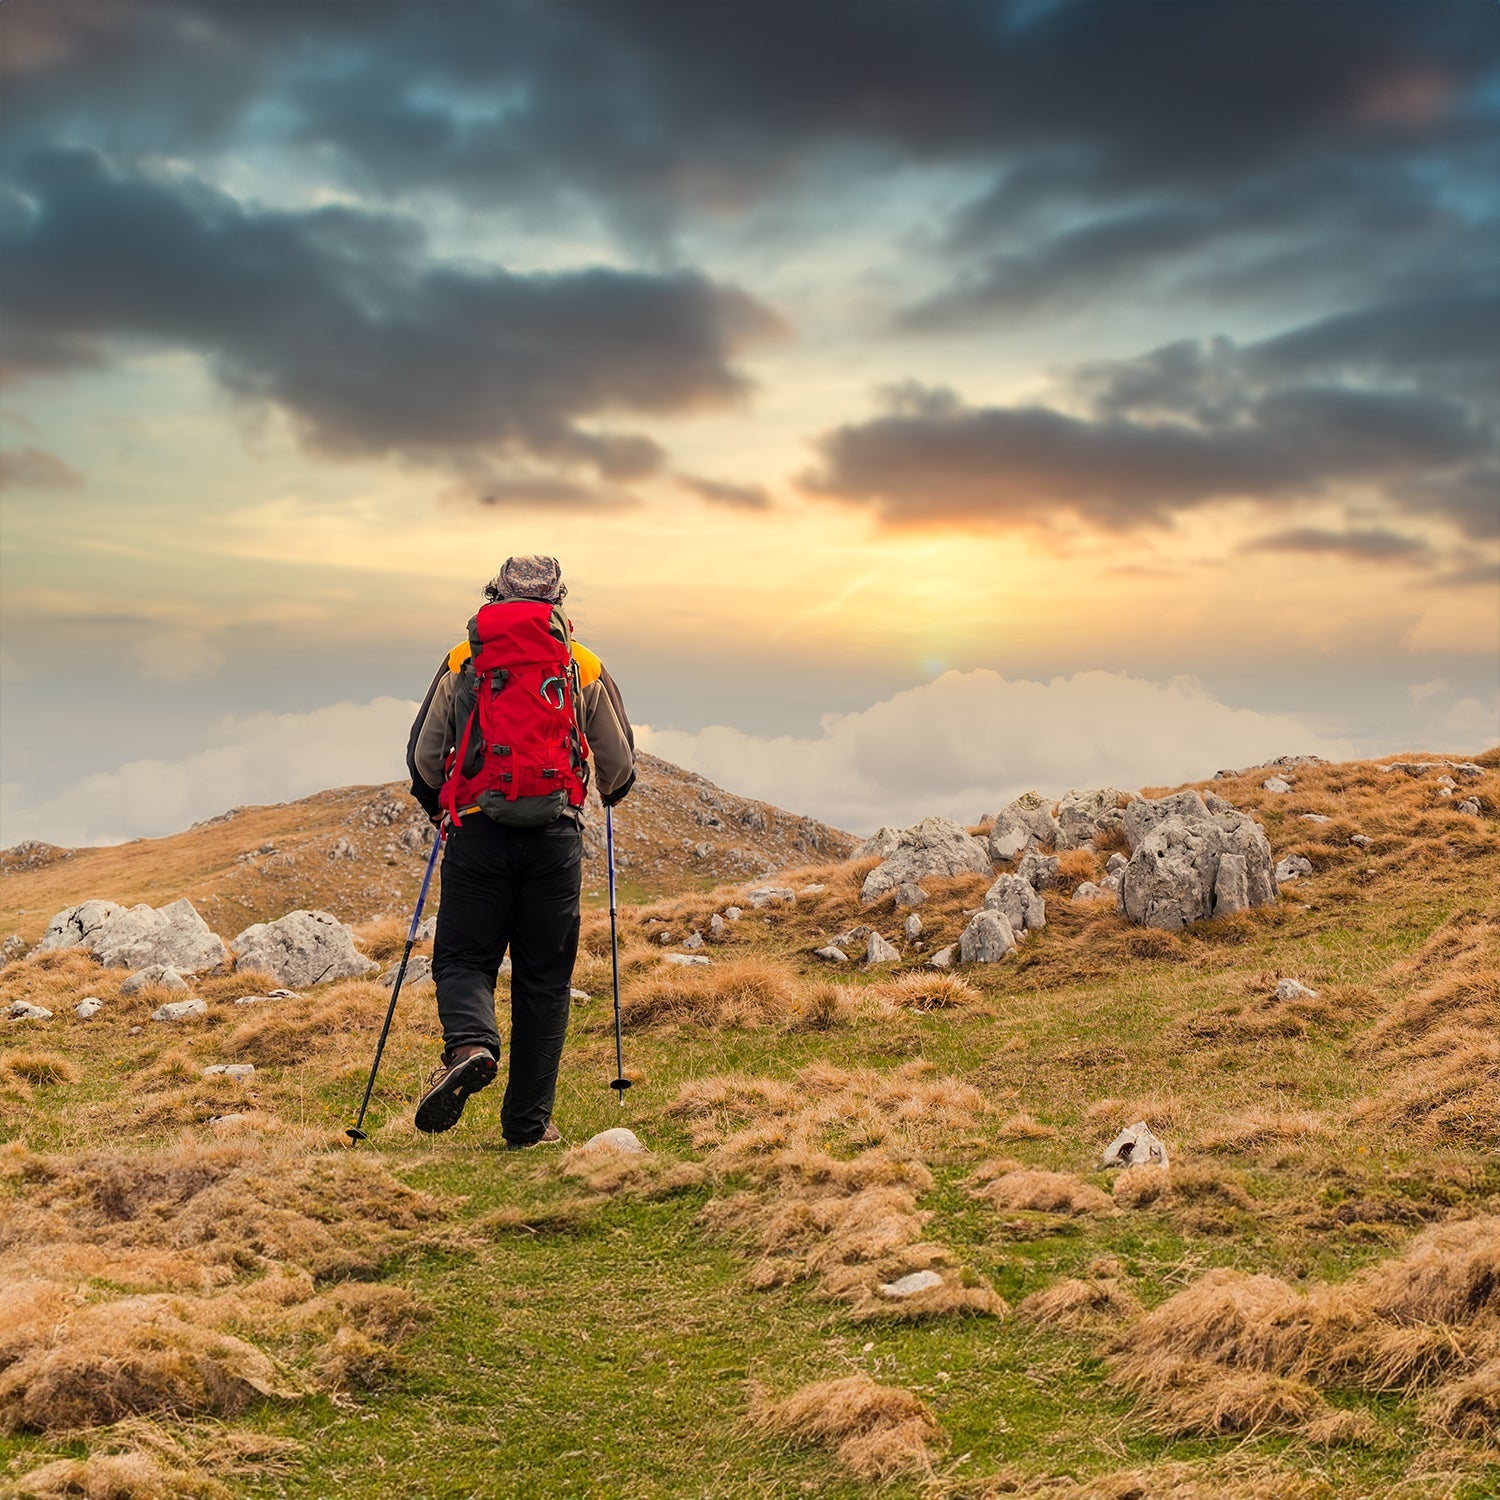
x=230, y=1070
x=577, y=996
x=135, y=1031
x=1361, y=840
x=1293, y=867
x=987, y=938
x=1115, y=864
x=1135, y=1146
x=771, y=895
x=880, y=951
x=942, y=959
x=1315, y=817
x=1446, y=781
x=912, y=928
x=811, y=890
x=1292, y=989
x=1469, y=805
x=24, y=1010
x=909, y=1286
x=1110, y=883
x=1038, y=870
x=427, y=931
x=12, y=948
x=687, y=960
x=418, y=971
x=909, y=893
x=1088, y=891
x=852, y=936
x=617, y=1138
x=163, y=976
x=693, y=940
x=505, y=966
x=1277, y=784
x=180, y=1010
x=228, y=1122
x=88, y=1007
x=733, y=913
x=831, y=955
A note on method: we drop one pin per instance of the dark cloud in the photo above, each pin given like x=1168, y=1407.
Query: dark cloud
x=718, y=492
x=1312, y=413
x=338, y=318
x=1369, y=544
x=36, y=469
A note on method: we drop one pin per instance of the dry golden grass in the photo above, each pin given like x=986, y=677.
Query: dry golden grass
x=117, y=1476
x=877, y=1431
x=1075, y=1303
x=745, y=992
x=922, y=991
x=1047, y=1192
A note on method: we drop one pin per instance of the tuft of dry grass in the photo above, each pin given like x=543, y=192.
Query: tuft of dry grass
x=1046, y=1192
x=745, y=992
x=878, y=1432
x=117, y=1476
x=1075, y=1303
x=922, y=991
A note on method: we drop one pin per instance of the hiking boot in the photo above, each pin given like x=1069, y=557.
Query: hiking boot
x=551, y=1136
x=462, y=1072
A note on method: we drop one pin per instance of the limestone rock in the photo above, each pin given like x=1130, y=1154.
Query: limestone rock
x=1466, y=768
x=1469, y=805
x=1135, y=1146
x=935, y=846
x=912, y=928
x=732, y=914
x=687, y=960
x=270, y=995
x=1361, y=840
x=771, y=895
x=1026, y=820
x=78, y=926
x=811, y=890
x=716, y=925
x=693, y=940
x=831, y=954
x=302, y=948
x=577, y=996
x=909, y=1286
x=12, y=948
x=1278, y=785
x=1088, y=891
x=343, y=849
x=884, y=841
x=1314, y=817
x=617, y=1138
x=24, y=1010
x=180, y=1010
x=1038, y=870
x=239, y=1071
x=164, y=976
x=88, y=1007
x=1231, y=885
x=173, y=935
x=1172, y=877
x=1293, y=867
x=427, y=931
x=1115, y=864
x=1082, y=816
x=942, y=959
x=228, y=1122
x=1292, y=989
x=880, y=951
x=418, y=971
x=1019, y=900
x=910, y=894
x=987, y=938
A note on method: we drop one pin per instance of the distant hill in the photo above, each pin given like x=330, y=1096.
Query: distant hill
x=358, y=852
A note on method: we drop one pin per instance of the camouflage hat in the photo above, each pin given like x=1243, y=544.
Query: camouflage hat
x=528, y=577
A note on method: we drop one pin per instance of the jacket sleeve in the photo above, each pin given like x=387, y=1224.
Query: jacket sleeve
x=611, y=739
x=427, y=745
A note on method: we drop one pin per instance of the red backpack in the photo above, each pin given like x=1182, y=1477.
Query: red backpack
x=519, y=754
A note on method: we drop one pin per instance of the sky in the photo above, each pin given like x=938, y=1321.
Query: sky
x=926, y=399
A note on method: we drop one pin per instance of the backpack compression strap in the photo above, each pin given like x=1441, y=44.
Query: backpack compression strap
x=589, y=665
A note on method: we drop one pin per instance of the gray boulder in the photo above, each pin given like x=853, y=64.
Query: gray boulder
x=1082, y=816
x=173, y=935
x=427, y=931
x=1294, y=989
x=831, y=954
x=12, y=948
x=771, y=895
x=1088, y=891
x=1038, y=870
x=1135, y=1146
x=1469, y=806
x=88, y=1007
x=1277, y=785
x=1026, y=820
x=1293, y=867
x=687, y=960
x=24, y=1010
x=935, y=846
x=912, y=928
x=1173, y=875
x=909, y=1286
x=942, y=959
x=1019, y=901
x=163, y=976
x=882, y=842
x=180, y=1010
x=1115, y=864
x=302, y=948
x=617, y=1138
x=879, y=951
x=78, y=926
x=910, y=894
x=987, y=938
x=418, y=971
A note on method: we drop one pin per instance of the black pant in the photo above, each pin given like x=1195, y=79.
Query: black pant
x=517, y=888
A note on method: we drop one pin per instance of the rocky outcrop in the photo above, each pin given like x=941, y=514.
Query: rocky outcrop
x=987, y=938
x=78, y=926
x=159, y=976
x=1189, y=863
x=418, y=971
x=1027, y=820
x=1135, y=1146
x=1018, y=901
x=880, y=951
x=1083, y=816
x=935, y=846
x=1038, y=870
x=302, y=948
x=173, y=935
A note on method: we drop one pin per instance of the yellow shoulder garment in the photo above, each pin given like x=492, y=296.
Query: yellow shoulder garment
x=459, y=655
x=589, y=665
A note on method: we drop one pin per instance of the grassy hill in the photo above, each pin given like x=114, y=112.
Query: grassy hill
x=1306, y=1305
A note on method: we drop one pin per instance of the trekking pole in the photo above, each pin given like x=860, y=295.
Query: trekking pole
x=355, y=1131
x=621, y=1082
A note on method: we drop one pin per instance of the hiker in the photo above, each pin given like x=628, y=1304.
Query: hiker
x=517, y=720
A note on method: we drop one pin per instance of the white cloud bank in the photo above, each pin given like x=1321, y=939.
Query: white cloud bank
x=250, y=758
x=967, y=742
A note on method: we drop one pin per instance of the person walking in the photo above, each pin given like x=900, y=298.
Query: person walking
x=518, y=719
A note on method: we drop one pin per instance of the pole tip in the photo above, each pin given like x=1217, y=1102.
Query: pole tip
x=355, y=1134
